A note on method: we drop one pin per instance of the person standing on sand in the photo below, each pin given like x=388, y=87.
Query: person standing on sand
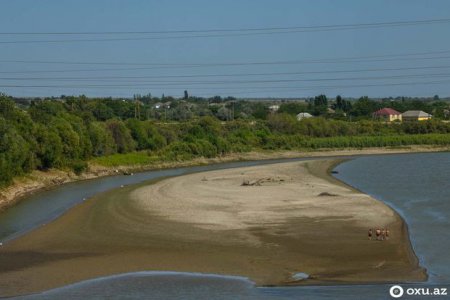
x=370, y=234
x=383, y=234
x=387, y=234
x=378, y=233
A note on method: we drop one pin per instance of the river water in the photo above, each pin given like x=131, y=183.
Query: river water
x=416, y=185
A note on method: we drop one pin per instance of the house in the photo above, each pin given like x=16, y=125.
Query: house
x=274, y=108
x=387, y=114
x=160, y=105
x=304, y=115
x=416, y=115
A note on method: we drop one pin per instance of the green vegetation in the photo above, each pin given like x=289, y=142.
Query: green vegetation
x=127, y=159
x=66, y=133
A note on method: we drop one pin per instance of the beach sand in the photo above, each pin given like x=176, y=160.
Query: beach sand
x=292, y=217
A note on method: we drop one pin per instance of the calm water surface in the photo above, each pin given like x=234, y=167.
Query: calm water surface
x=416, y=185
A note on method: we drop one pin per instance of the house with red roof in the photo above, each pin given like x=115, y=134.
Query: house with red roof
x=388, y=115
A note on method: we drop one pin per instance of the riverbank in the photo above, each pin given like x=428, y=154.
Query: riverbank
x=39, y=180
x=284, y=220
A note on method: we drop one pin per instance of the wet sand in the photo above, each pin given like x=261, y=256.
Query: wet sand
x=279, y=225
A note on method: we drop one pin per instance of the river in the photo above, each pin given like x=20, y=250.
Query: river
x=415, y=185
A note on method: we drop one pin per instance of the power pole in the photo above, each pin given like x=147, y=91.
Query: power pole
x=233, y=112
x=137, y=110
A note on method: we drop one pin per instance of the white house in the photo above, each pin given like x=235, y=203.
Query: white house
x=304, y=115
x=415, y=115
x=274, y=108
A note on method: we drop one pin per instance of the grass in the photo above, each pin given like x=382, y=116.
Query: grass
x=127, y=159
x=183, y=152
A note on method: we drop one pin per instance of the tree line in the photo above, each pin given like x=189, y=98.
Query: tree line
x=68, y=133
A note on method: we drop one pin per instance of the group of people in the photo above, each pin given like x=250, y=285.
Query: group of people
x=380, y=234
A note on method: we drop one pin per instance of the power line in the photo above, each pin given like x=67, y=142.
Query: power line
x=222, y=82
x=266, y=87
x=290, y=89
x=214, y=64
x=105, y=78
x=216, y=33
x=202, y=83
x=206, y=65
x=315, y=27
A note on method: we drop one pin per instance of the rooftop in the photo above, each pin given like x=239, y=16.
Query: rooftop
x=416, y=114
x=304, y=114
x=386, y=112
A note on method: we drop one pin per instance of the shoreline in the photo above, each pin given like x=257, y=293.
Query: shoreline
x=234, y=251
x=405, y=228
x=44, y=180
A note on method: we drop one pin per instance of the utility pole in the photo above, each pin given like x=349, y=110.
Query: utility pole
x=233, y=112
x=137, y=110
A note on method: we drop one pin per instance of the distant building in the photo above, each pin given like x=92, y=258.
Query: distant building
x=416, y=115
x=274, y=108
x=388, y=115
x=160, y=105
x=304, y=115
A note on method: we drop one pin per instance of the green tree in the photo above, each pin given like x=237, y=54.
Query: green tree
x=283, y=123
x=49, y=150
x=15, y=156
x=101, y=111
x=320, y=105
x=293, y=108
x=101, y=139
x=364, y=107
x=121, y=135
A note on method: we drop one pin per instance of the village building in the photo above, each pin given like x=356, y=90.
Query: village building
x=330, y=111
x=161, y=105
x=304, y=115
x=388, y=115
x=274, y=108
x=415, y=115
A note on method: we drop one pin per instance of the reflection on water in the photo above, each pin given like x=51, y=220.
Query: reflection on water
x=156, y=285
x=416, y=185
x=188, y=286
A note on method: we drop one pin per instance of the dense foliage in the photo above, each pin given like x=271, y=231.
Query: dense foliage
x=67, y=133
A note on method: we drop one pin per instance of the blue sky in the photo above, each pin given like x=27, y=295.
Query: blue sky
x=139, y=15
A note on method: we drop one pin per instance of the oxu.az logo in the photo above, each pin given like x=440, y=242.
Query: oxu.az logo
x=397, y=291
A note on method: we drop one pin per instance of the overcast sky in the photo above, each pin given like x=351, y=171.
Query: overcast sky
x=400, y=59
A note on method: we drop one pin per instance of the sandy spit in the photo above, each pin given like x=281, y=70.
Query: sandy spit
x=287, y=218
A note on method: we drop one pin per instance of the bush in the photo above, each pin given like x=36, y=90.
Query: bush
x=79, y=166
